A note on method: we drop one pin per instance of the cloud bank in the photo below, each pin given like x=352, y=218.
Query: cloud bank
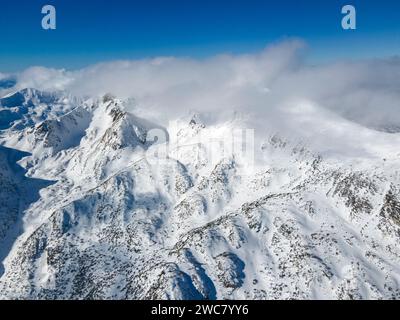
x=276, y=88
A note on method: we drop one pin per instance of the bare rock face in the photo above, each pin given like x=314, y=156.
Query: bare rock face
x=391, y=206
x=230, y=269
x=85, y=213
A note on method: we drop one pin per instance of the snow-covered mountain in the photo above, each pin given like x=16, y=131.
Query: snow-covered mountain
x=98, y=203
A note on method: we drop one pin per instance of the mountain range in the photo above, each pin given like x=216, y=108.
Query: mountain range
x=98, y=203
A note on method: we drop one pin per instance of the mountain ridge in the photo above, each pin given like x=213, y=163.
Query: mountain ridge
x=130, y=217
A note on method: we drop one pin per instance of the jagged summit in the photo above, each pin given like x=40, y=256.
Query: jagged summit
x=28, y=107
x=30, y=96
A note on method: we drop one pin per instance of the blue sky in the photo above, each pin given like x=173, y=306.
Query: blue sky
x=92, y=31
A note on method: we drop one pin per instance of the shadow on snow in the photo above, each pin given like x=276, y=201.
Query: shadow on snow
x=17, y=193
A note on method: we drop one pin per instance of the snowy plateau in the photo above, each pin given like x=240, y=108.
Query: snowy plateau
x=84, y=214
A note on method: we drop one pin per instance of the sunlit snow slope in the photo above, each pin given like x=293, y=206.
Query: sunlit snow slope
x=89, y=210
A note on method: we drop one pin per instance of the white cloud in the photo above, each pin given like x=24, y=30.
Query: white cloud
x=45, y=79
x=269, y=85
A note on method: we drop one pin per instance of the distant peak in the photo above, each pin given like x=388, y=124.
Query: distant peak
x=108, y=97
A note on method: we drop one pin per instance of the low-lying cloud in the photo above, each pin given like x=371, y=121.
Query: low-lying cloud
x=276, y=88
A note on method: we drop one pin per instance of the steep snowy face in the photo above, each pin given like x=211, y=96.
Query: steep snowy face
x=107, y=205
x=17, y=192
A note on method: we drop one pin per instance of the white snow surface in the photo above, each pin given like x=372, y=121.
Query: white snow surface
x=93, y=206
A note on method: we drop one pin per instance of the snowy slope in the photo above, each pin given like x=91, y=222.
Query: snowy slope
x=119, y=221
